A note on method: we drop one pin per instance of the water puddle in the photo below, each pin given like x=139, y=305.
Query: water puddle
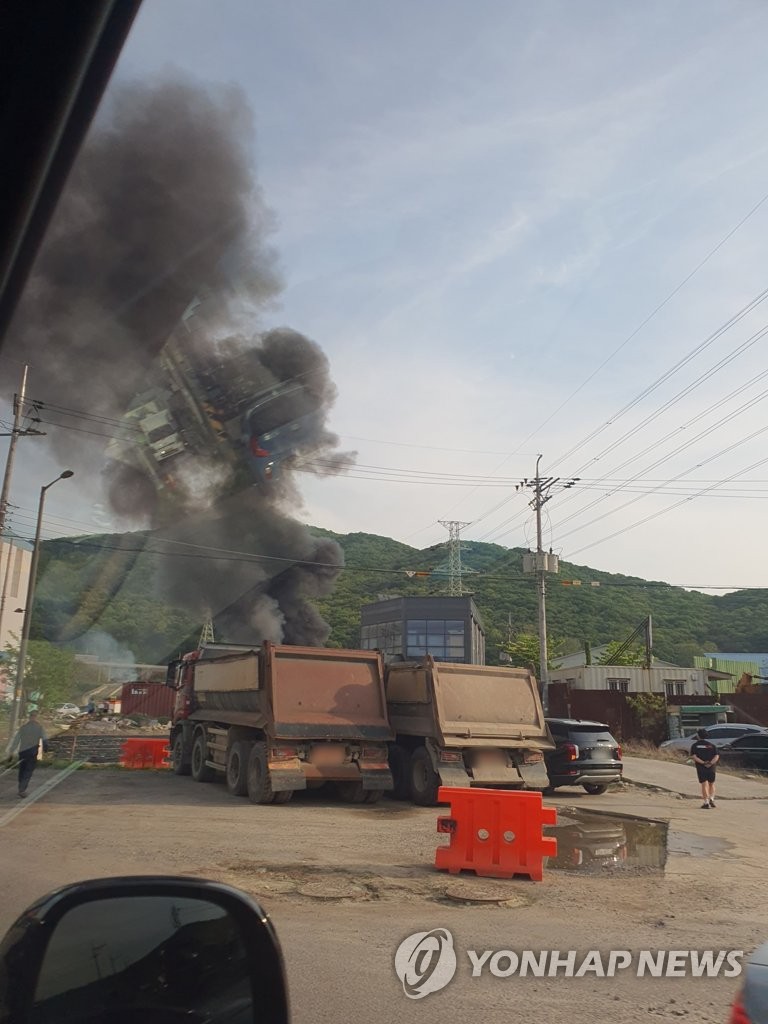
x=607, y=842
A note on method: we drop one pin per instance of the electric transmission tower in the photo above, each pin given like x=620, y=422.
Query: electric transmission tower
x=207, y=635
x=454, y=529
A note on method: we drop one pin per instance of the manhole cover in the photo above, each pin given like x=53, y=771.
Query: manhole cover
x=331, y=890
x=483, y=892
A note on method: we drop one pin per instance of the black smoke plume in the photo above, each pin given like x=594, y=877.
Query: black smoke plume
x=163, y=211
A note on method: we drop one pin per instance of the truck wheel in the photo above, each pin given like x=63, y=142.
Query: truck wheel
x=180, y=766
x=237, y=768
x=259, y=788
x=425, y=781
x=594, y=788
x=201, y=772
x=351, y=792
x=399, y=762
x=372, y=796
x=282, y=796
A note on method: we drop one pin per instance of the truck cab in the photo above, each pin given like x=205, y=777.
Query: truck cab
x=162, y=435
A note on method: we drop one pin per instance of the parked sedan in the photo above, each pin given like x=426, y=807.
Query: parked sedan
x=751, y=1004
x=750, y=751
x=719, y=735
x=66, y=709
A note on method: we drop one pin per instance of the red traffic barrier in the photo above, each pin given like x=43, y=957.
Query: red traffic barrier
x=495, y=833
x=144, y=753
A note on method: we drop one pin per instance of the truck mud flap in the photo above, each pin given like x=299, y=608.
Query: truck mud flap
x=534, y=775
x=453, y=775
x=281, y=779
x=377, y=780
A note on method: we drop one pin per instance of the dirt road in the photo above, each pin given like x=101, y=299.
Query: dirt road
x=345, y=884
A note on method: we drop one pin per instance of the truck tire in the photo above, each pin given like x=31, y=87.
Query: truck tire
x=399, y=764
x=237, y=768
x=180, y=766
x=351, y=792
x=201, y=772
x=282, y=796
x=372, y=796
x=425, y=781
x=259, y=786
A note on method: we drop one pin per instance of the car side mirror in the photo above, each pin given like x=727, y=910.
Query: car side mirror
x=154, y=950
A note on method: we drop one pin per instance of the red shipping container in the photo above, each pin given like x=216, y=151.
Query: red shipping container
x=155, y=700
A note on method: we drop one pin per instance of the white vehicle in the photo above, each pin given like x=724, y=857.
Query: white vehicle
x=719, y=735
x=162, y=435
x=66, y=709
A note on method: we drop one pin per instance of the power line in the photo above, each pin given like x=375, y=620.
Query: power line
x=689, y=443
x=62, y=410
x=83, y=430
x=657, y=309
x=669, y=508
x=655, y=444
x=633, y=334
x=701, y=379
x=722, y=329
x=712, y=458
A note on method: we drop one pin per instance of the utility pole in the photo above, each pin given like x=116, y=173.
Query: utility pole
x=16, y=433
x=454, y=529
x=541, y=563
x=18, y=690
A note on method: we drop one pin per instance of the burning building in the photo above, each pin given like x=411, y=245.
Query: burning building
x=142, y=315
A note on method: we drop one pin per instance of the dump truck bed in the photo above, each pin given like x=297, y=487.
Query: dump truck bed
x=325, y=693
x=467, y=705
x=295, y=692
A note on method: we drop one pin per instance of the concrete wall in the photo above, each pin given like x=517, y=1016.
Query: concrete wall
x=15, y=560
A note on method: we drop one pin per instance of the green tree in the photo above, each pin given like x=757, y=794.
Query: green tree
x=650, y=711
x=634, y=655
x=49, y=672
x=523, y=650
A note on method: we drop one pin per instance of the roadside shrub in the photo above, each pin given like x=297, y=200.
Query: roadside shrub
x=650, y=713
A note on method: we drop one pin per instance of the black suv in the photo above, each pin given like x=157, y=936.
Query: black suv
x=585, y=755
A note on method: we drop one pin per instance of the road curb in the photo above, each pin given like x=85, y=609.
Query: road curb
x=654, y=788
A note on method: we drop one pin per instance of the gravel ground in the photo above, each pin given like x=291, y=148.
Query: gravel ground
x=345, y=884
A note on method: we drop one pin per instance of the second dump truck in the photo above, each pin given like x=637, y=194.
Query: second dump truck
x=464, y=725
x=277, y=719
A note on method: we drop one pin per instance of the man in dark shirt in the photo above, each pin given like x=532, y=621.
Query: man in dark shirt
x=705, y=757
x=27, y=740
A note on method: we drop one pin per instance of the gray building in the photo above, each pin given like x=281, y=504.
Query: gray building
x=406, y=628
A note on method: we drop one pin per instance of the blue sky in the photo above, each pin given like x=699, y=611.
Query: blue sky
x=476, y=205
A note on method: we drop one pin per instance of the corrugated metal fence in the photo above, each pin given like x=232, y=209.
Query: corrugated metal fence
x=615, y=710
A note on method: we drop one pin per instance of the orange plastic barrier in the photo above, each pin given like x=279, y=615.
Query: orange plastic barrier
x=144, y=753
x=495, y=833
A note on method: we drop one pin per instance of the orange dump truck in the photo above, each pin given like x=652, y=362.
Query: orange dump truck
x=464, y=725
x=279, y=718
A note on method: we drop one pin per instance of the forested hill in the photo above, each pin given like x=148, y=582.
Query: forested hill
x=101, y=583
x=685, y=622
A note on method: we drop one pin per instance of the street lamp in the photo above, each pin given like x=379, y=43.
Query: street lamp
x=18, y=690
